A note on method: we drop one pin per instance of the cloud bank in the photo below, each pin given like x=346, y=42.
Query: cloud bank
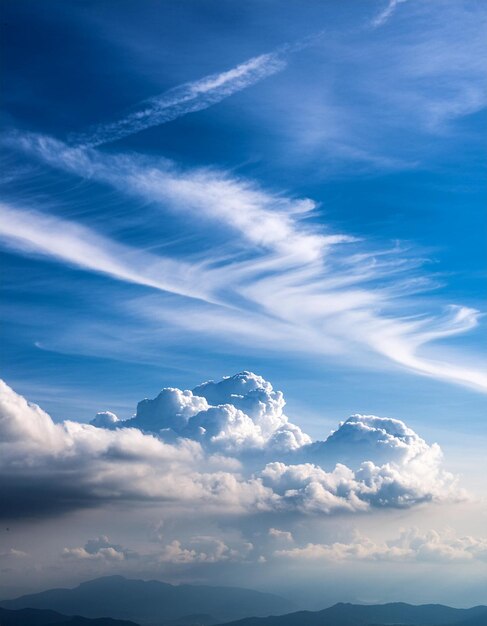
x=225, y=446
x=411, y=545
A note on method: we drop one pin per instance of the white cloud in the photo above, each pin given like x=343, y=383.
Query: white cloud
x=378, y=439
x=271, y=221
x=283, y=535
x=233, y=464
x=245, y=414
x=99, y=549
x=411, y=545
x=39, y=460
x=35, y=232
x=310, y=489
x=12, y=554
x=188, y=98
x=386, y=13
x=204, y=549
x=195, y=95
x=438, y=66
x=105, y=419
x=295, y=288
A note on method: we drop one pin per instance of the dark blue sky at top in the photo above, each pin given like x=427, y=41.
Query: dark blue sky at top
x=383, y=127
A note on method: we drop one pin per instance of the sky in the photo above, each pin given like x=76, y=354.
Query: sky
x=285, y=198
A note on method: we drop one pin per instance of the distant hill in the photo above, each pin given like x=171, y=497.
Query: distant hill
x=153, y=602
x=191, y=620
x=397, y=614
x=39, y=617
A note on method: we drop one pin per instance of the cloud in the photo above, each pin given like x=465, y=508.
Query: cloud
x=194, y=96
x=99, y=549
x=12, y=554
x=202, y=549
x=283, y=535
x=104, y=419
x=295, y=288
x=379, y=439
x=309, y=488
x=188, y=98
x=245, y=414
x=237, y=463
x=386, y=13
x=50, y=468
x=34, y=232
x=411, y=545
x=272, y=221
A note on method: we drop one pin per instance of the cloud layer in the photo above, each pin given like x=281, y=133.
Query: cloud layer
x=227, y=445
x=411, y=545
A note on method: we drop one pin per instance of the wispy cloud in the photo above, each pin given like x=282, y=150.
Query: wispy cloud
x=32, y=232
x=195, y=95
x=188, y=98
x=386, y=13
x=271, y=221
x=285, y=284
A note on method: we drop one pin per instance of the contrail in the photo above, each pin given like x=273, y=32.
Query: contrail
x=186, y=98
x=384, y=15
x=194, y=96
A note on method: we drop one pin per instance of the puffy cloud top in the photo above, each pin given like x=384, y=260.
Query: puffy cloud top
x=170, y=410
x=225, y=444
x=105, y=419
x=240, y=413
x=371, y=438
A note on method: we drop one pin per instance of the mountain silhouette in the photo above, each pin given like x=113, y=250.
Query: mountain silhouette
x=397, y=614
x=153, y=602
x=40, y=617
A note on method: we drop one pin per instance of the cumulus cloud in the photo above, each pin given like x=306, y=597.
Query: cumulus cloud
x=239, y=414
x=411, y=545
x=187, y=450
x=378, y=439
x=204, y=549
x=99, y=549
x=12, y=553
x=310, y=489
x=104, y=419
x=50, y=468
x=283, y=535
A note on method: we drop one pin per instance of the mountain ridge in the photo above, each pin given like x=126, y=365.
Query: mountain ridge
x=152, y=601
x=41, y=617
x=393, y=613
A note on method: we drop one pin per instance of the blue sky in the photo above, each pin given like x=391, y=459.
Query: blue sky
x=192, y=189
